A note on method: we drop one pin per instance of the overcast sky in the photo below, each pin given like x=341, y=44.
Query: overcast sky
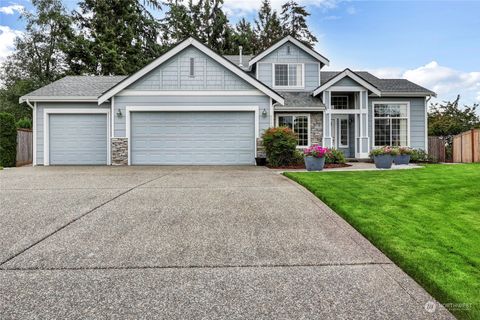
x=433, y=43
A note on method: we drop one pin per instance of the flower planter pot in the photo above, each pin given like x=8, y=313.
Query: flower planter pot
x=314, y=164
x=261, y=161
x=383, y=161
x=402, y=159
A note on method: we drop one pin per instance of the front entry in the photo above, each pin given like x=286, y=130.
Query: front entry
x=341, y=133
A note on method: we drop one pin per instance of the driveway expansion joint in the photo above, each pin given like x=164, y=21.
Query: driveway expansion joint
x=78, y=218
x=252, y=266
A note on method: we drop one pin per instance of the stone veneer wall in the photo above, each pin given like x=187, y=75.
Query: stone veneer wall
x=119, y=151
x=260, y=149
x=316, y=127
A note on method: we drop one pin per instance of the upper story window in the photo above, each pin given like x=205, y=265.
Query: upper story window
x=288, y=75
x=340, y=102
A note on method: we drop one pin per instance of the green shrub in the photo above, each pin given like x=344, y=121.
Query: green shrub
x=281, y=146
x=8, y=140
x=419, y=155
x=335, y=156
x=24, y=123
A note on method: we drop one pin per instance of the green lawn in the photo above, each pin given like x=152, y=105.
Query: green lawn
x=426, y=220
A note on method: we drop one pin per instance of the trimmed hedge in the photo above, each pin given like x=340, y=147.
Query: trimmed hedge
x=8, y=140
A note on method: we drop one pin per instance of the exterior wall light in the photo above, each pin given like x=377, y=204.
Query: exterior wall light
x=119, y=113
x=264, y=112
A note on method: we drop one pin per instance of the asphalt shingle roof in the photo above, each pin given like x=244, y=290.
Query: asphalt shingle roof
x=301, y=100
x=77, y=86
x=235, y=59
x=384, y=85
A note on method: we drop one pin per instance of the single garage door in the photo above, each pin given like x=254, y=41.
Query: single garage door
x=78, y=139
x=221, y=138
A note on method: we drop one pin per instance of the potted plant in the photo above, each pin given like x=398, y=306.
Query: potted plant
x=403, y=156
x=383, y=157
x=315, y=157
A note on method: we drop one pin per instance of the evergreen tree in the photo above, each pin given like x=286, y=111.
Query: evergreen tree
x=268, y=28
x=244, y=36
x=204, y=19
x=38, y=58
x=115, y=37
x=294, y=23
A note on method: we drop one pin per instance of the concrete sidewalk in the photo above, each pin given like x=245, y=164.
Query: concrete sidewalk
x=187, y=243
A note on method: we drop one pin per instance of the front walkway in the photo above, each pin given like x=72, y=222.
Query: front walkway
x=187, y=243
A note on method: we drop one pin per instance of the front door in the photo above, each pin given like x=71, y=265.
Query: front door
x=340, y=133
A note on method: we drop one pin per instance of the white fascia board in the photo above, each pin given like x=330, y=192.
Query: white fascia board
x=340, y=76
x=58, y=99
x=277, y=45
x=408, y=94
x=190, y=41
x=190, y=93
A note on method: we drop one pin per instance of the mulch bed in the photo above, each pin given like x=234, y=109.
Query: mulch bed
x=302, y=166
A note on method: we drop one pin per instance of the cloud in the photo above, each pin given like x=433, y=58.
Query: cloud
x=11, y=9
x=7, y=41
x=351, y=10
x=446, y=82
x=245, y=7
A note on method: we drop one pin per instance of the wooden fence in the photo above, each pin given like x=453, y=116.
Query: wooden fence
x=466, y=146
x=437, y=149
x=24, y=147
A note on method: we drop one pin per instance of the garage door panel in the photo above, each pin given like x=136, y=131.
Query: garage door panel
x=192, y=137
x=78, y=139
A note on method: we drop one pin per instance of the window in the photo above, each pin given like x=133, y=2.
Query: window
x=192, y=67
x=288, y=75
x=340, y=102
x=299, y=125
x=391, y=124
x=344, y=133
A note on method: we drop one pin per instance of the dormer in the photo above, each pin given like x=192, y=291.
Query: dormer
x=289, y=65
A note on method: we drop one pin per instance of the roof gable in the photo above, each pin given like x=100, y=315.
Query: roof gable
x=345, y=78
x=298, y=44
x=175, y=51
x=174, y=74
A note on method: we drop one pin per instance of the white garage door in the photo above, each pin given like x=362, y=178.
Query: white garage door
x=169, y=138
x=78, y=139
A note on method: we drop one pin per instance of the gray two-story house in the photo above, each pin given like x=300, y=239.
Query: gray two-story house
x=194, y=106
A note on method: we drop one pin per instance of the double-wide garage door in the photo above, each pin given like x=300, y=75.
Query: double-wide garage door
x=172, y=138
x=78, y=139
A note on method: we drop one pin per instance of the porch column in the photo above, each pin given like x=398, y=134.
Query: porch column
x=363, y=146
x=327, y=124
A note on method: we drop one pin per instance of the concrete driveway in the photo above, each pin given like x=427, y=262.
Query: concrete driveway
x=187, y=243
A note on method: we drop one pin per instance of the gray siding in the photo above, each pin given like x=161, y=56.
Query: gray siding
x=174, y=74
x=297, y=55
x=121, y=102
x=51, y=105
x=417, y=119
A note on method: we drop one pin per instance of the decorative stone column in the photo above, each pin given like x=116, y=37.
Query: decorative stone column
x=120, y=151
x=316, y=128
x=260, y=149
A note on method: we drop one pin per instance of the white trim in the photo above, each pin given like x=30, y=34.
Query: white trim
x=46, y=124
x=297, y=115
x=407, y=94
x=280, y=43
x=408, y=120
x=190, y=41
x=426, y=124
x=351, y=74
x=346, y=88
x=288, y=87
x=190, y=93
x=59, y=98
x=130, y=109
x=272, y=111
x=112, y=113
x=34, y=125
